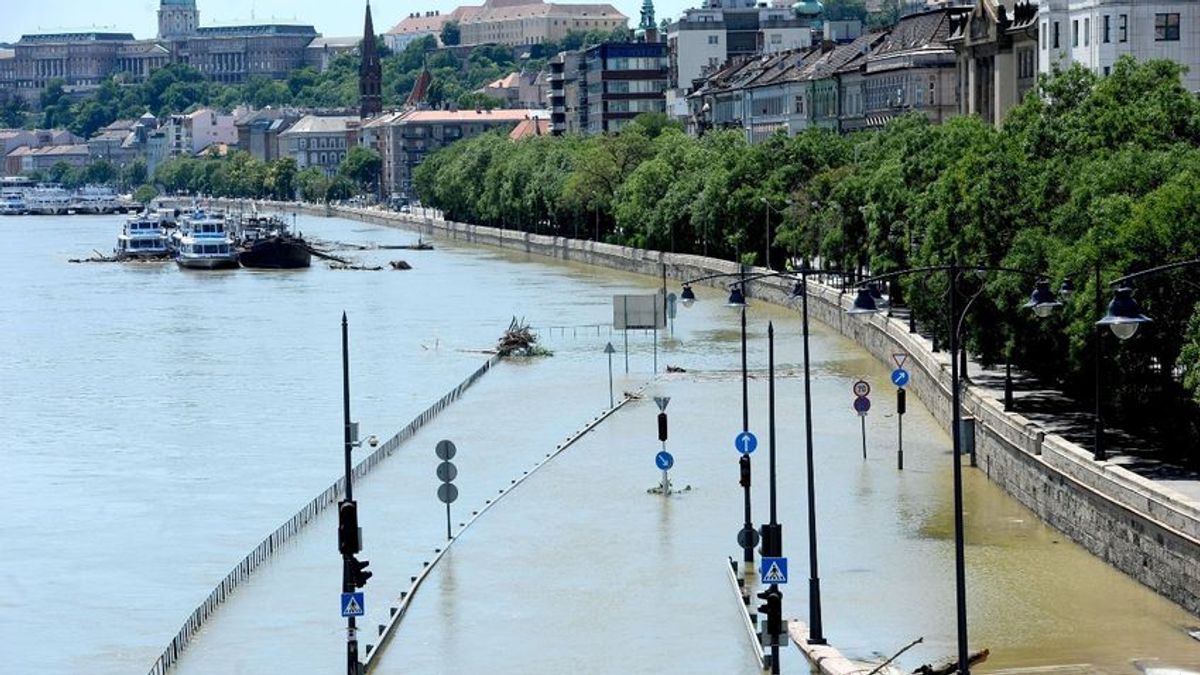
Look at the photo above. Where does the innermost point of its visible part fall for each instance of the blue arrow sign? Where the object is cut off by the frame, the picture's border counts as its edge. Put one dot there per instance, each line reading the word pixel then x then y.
pixel 352 604
pixel 773 570
pixel 745 442
pixel 664 460
pixel 899 377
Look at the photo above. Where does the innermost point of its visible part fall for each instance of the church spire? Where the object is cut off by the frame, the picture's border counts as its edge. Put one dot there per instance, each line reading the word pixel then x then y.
pixel 370 73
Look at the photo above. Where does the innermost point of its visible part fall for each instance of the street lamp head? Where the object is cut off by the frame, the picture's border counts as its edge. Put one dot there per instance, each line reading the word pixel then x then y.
pixel 687 296
pixel 1067 290
pixel 1042 300
pixel 1124 315
pixel 864 304
pixel 736 297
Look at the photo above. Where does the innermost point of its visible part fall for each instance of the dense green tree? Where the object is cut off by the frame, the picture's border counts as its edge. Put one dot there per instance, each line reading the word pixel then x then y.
pixel 451 34
pixel 362 167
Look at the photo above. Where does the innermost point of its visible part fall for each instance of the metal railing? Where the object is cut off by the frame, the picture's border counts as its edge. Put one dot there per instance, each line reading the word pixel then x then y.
pixel 284 532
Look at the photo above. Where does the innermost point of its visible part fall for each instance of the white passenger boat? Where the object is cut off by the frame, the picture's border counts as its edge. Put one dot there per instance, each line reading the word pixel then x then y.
pixel 95 199
pixel 48 200
pixel 12 202
pixel 203 243
pixel 143 237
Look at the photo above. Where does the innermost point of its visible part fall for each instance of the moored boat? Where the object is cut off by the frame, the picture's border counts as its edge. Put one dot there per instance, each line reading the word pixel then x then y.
pixel 142 237
pixel 266 243
pixel 204 244
pixel 12 202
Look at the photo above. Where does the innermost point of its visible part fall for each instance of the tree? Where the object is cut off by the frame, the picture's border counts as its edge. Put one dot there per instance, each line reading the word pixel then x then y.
pixel 134 173
pixel 12 110
pixel 451 33
pixel 281 179
pixel 145 194
pixel 362 167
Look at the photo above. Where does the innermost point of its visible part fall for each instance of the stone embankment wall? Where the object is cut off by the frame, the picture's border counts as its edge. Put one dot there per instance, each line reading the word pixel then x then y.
pixel 1142 528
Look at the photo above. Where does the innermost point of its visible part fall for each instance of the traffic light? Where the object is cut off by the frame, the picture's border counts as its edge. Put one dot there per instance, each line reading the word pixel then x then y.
pixel 772 608
pixel 772 541
pixel 900 396
pixel 662 426
pixel 744 466
pixel 356 573
pixel 349 541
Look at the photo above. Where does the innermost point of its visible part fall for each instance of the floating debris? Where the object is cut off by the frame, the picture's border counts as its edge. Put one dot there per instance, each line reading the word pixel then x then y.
pixel 400 265
pixel 676 369
pixel 519 340
pixel 363 268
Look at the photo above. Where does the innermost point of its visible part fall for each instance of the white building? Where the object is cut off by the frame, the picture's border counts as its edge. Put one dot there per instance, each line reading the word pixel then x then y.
pixel 704 39
pixel 1095 33
pixel 320 141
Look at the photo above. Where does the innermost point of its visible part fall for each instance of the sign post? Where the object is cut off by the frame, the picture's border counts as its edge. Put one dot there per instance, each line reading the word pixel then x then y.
pixel 900 378
pixel 639 312
pixel 608 349
pixel 862 404
pixel 663 460
pixel 446 472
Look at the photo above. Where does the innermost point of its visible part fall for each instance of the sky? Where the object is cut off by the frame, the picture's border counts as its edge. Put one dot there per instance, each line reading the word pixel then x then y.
pixel 332 19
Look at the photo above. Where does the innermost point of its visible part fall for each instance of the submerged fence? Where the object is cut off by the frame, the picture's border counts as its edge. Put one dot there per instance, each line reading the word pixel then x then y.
pixel 276 539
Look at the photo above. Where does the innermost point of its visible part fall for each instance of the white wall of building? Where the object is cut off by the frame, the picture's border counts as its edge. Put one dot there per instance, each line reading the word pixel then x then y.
pixel 1142 30
pixel 699 52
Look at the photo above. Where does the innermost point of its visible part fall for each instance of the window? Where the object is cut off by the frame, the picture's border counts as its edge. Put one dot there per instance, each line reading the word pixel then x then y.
pixel 1123 28
pixel 1075 33
pixel 1106 70
pixel 1166 27
pixel 713 39
pixel 1055 43
pixel 1105 38
pixel 1087 29
pixel 1043 35
pixel 776 39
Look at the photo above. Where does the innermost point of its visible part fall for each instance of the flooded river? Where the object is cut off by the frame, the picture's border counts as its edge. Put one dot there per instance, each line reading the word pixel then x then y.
pixel 159 423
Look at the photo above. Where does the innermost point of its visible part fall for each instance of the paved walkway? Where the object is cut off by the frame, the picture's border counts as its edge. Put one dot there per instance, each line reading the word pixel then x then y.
pixel 1059 414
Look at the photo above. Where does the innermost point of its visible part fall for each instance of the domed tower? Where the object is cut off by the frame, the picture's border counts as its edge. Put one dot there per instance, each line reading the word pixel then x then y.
pixel 177 19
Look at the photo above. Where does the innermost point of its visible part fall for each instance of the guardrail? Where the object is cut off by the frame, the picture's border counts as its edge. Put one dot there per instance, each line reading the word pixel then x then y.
pixel 284 532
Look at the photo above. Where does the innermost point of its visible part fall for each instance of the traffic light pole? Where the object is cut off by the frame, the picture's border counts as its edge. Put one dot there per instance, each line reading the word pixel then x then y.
pixel 347 582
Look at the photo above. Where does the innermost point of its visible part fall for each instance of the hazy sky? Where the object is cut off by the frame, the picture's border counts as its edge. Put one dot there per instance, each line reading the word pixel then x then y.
pixel 332 19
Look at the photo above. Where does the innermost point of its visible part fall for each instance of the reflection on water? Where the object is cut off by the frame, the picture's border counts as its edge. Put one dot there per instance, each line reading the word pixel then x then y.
pixel 161 423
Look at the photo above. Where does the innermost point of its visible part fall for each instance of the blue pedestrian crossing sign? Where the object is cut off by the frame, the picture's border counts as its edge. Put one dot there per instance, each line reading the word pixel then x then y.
pixel 745 442
pixel 899 377
pixel 664 460
pixel 773 570
pixel 352 604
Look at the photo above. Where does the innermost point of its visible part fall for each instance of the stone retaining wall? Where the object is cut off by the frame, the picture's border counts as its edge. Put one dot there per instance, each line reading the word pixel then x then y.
pixel 1147 531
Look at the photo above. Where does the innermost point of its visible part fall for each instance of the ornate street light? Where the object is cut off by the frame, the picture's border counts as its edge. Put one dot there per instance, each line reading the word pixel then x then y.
pixel 1124 315
pixel 1042 301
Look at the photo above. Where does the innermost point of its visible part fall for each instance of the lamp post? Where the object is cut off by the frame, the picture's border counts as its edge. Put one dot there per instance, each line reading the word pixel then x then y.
pixel 816 630
pixel 1042 305
pixel 1123 318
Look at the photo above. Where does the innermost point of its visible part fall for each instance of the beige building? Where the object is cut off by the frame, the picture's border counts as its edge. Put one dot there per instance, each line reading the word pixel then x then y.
pixel 411 136
pixel 997 57
pixel 510 22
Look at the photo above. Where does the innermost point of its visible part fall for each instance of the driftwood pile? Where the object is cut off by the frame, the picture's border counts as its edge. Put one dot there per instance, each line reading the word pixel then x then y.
pixel 519 340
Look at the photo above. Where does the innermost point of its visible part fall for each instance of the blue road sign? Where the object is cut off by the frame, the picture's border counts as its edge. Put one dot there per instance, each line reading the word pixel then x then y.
pixel 664 460
pixel 773 570
pixel 352 604
pixel 899 377
pixel 745 442
pixel 862 404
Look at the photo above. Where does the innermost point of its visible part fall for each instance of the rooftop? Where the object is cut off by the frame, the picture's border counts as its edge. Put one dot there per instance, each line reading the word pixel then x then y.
pixel 254 31
pixel 313 124
pixel 50 38
pixel 503 115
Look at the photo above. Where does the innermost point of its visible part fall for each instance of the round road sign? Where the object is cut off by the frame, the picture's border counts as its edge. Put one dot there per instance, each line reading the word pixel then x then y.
pixel 446 472
pixel 445 450
pixel 862 404
pixel 664 460
pixel 747 537
pixel 447 493
pixel 899 377
pixel 861 388
pixel 745 442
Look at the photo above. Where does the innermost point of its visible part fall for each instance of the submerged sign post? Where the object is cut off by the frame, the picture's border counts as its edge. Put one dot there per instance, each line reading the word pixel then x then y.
pixel 900 378
pixel 639 312
pixel 862 405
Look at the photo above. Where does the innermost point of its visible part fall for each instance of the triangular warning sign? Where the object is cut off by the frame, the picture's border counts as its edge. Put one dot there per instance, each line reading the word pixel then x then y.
pixel 352 606
pixel 774 575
